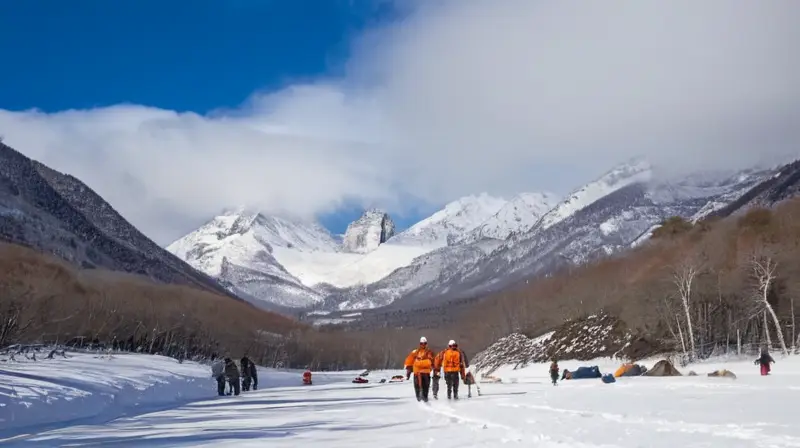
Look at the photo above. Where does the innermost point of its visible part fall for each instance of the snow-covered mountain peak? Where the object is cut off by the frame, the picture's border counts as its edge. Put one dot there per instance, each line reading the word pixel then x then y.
pixel 519 214
pixel 365 234
pixel 245 231
pixel 451 222
pixel 632 172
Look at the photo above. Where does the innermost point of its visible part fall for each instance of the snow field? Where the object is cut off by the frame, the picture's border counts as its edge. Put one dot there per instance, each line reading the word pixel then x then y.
pixel 524 410
pixel 94 388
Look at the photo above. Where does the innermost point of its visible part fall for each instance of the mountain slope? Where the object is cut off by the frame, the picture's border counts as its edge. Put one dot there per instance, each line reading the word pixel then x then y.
pixel 295 263
pixel 517 215
pixel 56 213
pixel 449 224
pixel 241 249
pixel 612 223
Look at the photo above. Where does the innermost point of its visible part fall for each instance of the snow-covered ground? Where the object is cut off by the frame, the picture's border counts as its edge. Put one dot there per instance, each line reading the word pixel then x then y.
pixel 524 410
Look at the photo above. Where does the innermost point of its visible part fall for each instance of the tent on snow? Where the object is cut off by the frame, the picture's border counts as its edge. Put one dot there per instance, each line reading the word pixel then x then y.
pixel 630 370
pixel 582 373
pixel 663 368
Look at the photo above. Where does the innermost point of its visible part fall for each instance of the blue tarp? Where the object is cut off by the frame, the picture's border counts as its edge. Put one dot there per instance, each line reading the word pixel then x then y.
pixel 608 378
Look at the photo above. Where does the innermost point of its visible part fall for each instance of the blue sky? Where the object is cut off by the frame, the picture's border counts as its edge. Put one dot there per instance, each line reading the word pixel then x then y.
pixel 197 55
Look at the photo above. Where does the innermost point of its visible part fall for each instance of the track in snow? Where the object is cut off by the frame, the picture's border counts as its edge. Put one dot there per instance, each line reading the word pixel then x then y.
pixel 752 411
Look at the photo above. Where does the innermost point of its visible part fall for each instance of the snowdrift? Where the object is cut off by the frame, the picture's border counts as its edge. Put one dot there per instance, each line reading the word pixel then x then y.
pixel 85 387
pixel 88 388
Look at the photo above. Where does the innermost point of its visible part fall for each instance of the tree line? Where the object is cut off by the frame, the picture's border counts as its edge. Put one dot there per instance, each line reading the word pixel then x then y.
pixel 709 287
pixel 716 285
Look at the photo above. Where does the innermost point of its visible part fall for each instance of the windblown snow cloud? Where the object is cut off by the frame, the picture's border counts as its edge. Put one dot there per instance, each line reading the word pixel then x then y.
pixel 457 98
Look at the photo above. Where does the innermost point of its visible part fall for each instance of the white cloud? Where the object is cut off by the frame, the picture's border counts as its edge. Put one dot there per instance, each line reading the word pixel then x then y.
pixel 459 97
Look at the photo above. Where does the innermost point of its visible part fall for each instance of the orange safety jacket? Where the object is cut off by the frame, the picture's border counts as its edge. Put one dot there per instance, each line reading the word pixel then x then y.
pixel 437 362
pixel 452 361
pixel 420 360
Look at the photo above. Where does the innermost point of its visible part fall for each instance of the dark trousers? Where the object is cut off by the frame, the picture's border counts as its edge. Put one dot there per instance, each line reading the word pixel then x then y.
pixel 436 379
pixel 234 383
pixel 255 383
pixel 422 383
pixel 221 385
pixel 452 379
pixel 246 383
pixel 554 376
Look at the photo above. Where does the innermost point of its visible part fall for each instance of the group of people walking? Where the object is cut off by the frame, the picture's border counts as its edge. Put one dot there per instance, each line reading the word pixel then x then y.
pixel 427 369
pixel 226 371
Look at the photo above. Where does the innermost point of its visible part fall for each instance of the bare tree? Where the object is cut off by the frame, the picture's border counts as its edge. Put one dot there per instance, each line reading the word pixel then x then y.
pixel 683 277
pixel 794 333
pixel 764 274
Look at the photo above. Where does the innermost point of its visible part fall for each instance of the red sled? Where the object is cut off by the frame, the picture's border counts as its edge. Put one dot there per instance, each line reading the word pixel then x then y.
pixel 360 380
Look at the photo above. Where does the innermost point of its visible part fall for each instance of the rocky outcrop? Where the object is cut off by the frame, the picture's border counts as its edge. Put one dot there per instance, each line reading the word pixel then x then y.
pixel 595 336
pixel 368 232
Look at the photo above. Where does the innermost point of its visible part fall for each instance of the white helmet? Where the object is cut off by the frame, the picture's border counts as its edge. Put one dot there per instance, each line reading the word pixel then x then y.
pixel 452 342
pixel 423 340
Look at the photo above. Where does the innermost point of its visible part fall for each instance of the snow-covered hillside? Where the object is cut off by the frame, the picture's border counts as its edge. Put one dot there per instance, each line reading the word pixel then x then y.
pixel 295 263
pixel 522 410
pixel 606 216
pixel 616 179
pixel 452 222
pixel 474 245
pixel 517 215
pixel 94 388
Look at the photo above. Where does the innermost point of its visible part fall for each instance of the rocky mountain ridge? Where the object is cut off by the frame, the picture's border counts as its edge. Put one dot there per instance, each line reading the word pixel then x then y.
pixel 365 234
pixel 611 214
pixel 58 214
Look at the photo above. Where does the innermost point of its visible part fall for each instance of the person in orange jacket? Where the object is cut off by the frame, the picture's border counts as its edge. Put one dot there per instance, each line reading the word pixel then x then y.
pixel 437 373
pixel 454 363
pixel 420 362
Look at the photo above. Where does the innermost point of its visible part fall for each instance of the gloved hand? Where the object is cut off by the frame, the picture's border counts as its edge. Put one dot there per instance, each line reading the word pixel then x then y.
pixel 408 375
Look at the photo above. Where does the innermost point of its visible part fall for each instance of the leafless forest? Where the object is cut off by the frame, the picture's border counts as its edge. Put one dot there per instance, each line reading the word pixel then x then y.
pixel 695 289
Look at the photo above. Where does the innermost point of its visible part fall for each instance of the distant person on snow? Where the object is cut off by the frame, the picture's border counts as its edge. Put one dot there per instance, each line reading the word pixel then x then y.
pixel 254 375
pixel 420 363
pixel 765 360
pixel 249 374
pixel 218 373
pixel 554 372
pixel 232 374
pixel 454 365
